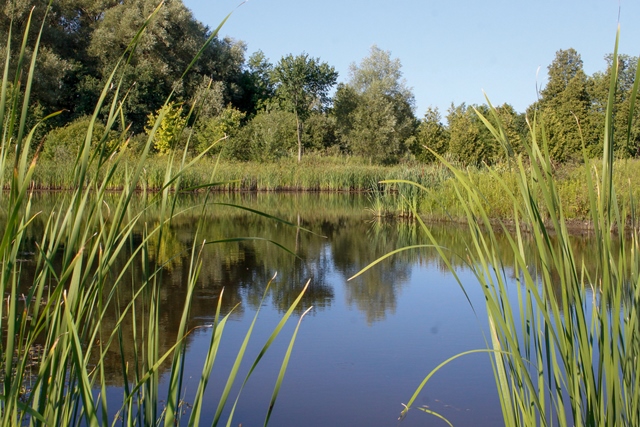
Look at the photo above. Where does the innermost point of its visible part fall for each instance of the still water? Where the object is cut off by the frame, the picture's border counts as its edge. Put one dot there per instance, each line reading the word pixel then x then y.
pixel 365 345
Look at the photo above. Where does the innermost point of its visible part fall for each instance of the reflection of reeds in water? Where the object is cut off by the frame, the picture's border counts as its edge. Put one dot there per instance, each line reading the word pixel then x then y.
pixel 400 201
pixel 93 250
pixel 565 347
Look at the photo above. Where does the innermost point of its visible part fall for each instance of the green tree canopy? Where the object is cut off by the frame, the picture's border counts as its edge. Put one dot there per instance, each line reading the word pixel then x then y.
pixel 171 41
pixel 465 143
pixel 626 144
pixel 258 87
pixel 83 39
pixel 432 134
pixel 303 83
pixel 565 103
pixel 374 110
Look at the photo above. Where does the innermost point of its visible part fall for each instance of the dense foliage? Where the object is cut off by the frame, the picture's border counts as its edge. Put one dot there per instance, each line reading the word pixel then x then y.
pixel 252 109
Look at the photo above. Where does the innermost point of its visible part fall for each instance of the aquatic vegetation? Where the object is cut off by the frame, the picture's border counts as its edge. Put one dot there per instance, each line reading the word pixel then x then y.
pixel 565 358
pixel 55 339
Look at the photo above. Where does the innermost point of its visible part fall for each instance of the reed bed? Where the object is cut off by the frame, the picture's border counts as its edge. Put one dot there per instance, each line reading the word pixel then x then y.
pixel 347 174
pixel 563 337
pixel 55 341
pixel 314 173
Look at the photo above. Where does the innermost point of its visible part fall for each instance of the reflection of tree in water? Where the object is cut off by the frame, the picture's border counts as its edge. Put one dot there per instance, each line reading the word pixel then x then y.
pixel 244 268
pixel 248 266
pixel 359 244
pixel 375 293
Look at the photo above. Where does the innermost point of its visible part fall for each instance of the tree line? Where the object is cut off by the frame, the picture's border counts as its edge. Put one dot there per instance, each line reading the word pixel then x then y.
pixel 262 111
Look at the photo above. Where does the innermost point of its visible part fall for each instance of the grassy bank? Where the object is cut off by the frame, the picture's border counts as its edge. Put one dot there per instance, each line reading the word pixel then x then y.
pixel 314 173
pixel 349 174
pixel 571 183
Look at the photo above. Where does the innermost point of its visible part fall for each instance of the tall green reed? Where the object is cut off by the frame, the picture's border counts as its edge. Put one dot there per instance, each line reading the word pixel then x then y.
pixel 567 359
pixel 57 317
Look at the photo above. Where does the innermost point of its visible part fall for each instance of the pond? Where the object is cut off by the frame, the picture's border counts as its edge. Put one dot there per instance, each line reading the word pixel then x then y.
pixel 366 344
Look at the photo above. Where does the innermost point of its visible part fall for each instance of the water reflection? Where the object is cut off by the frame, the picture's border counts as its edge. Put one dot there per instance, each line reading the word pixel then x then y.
pixel 342 239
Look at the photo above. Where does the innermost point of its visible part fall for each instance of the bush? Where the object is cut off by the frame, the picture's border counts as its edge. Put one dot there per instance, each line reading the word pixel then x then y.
pixel 213 129
pixel 269 136
pixel 62 144
pixel 170 129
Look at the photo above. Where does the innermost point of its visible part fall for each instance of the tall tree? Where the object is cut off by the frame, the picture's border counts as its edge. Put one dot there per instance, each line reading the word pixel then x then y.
pixel 257 86
pixel 63 58
pixel 564 106
pixel 83 39
pixel 303 83
pixel 466 143
pixel 171 40
pixel 627 144
pixel 374 111
pixel 432 134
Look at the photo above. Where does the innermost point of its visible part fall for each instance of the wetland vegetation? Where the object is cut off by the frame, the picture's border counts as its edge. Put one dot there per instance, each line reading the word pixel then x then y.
pixel 103 285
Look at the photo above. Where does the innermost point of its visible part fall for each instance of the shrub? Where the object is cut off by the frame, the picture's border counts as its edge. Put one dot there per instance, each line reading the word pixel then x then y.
pixel 269 136
pixel 213 129
pixel 62 144
pixel 170 129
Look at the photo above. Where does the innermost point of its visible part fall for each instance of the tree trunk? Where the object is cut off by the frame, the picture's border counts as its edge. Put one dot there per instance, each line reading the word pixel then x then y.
pixel 299 132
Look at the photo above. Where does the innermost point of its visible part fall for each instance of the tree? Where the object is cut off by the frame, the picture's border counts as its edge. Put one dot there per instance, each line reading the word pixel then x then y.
pixel 506 120
pixel 379 73
pixel 168 45
pixel 374 111
pixel 625 144
pixel 564 106
pixel 377 134
pixel 515 127
pixel 303 83
pixel 62 57
pixel 470 141
pixel 257 86
pixel 83 39
pixel 431 134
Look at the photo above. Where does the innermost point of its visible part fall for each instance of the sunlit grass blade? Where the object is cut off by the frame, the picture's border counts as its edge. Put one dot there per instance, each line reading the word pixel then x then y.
pixel 236 364
pixel 272 337
pixel 387 255
pixel 426 379
pixel 283 368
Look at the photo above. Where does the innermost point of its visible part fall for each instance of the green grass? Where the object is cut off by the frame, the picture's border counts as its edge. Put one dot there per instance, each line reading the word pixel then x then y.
pixel 442 202
pixel 349 174
pixel 352 174
pixel 313 173
pixel 56 337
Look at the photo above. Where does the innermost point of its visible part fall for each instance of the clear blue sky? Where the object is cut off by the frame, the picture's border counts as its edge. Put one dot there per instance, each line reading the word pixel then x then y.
pixel 451 51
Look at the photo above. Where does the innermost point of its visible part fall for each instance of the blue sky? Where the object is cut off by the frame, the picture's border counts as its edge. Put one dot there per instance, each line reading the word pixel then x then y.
pixel 451 51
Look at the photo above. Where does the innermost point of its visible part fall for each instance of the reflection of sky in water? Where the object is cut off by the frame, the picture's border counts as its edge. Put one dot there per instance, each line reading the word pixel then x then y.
pixel 366 346
pixel 346 370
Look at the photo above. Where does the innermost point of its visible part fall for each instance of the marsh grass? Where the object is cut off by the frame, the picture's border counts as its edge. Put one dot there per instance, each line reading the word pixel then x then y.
pixel 313 173
pixel 55 336
pixel 567 357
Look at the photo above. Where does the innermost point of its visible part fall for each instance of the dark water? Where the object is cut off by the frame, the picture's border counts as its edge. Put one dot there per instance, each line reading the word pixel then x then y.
pixel 366 344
